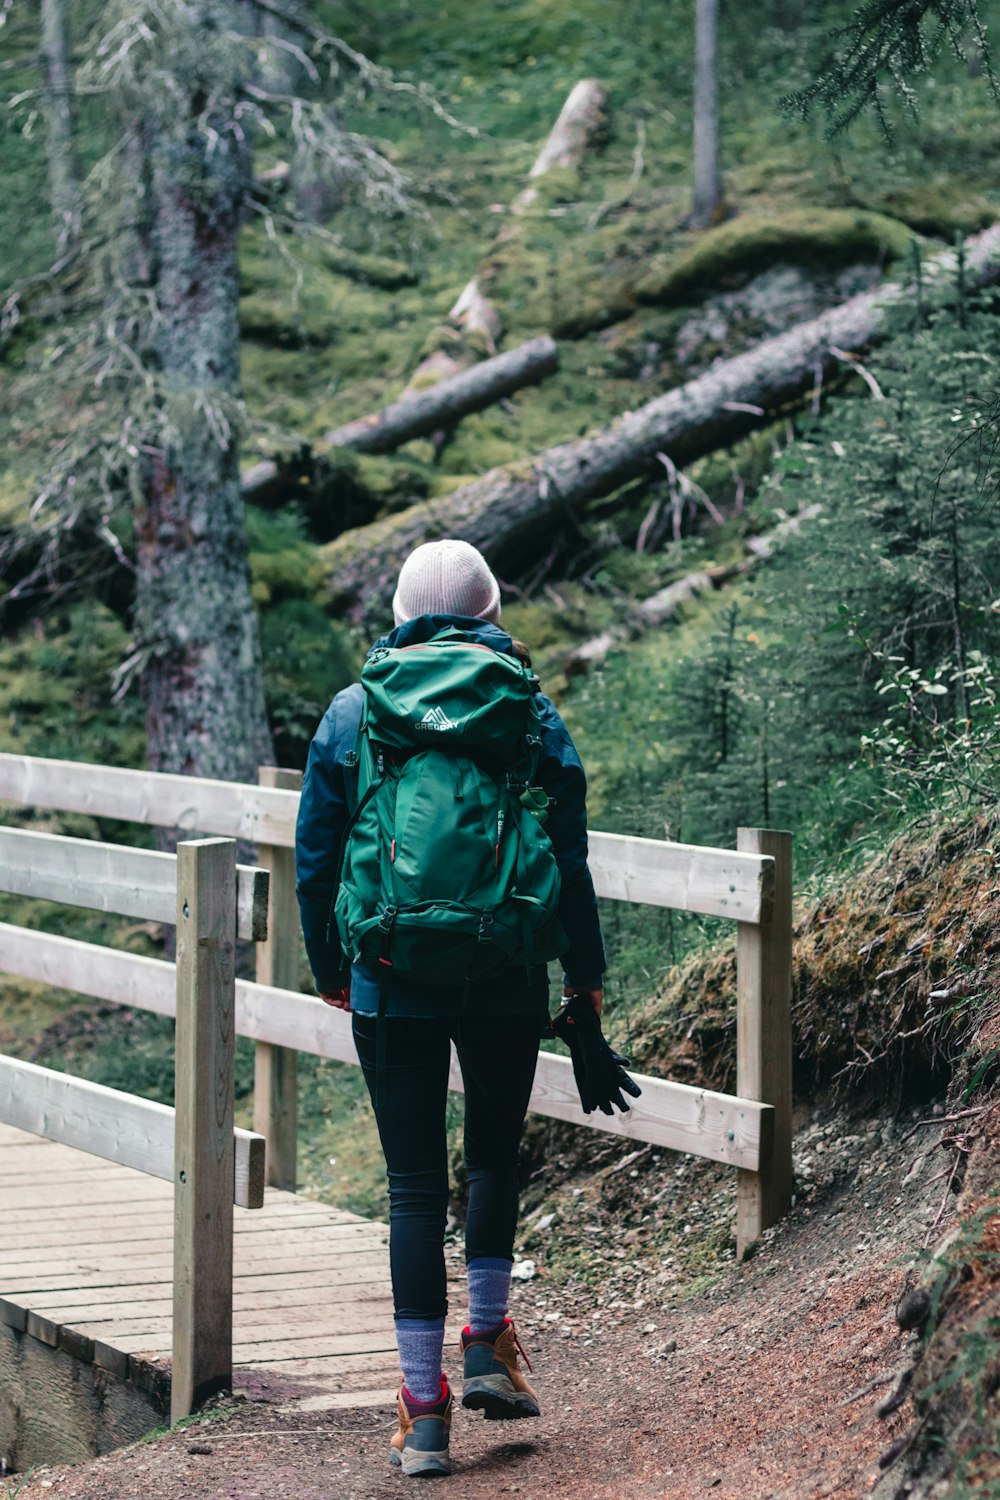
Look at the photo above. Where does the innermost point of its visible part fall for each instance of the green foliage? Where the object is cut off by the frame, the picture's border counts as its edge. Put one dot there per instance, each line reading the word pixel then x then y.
pixel 307 658
pixel 890 43
pixel 754 711
pixel 56 689
pixel 940 740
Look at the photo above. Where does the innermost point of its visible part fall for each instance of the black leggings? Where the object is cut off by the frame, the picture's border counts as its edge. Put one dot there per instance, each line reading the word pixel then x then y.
pixel 497 1056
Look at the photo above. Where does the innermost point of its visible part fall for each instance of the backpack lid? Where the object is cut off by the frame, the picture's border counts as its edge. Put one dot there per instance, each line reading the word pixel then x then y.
pixel 450 692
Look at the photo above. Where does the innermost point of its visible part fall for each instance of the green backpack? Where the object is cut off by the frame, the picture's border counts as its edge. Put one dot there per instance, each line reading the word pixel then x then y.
pixel 448 876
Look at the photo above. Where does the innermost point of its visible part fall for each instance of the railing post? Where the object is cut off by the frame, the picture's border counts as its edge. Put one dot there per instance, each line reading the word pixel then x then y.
pixel 764 1037
pixel 275 1106
pixel 203 1143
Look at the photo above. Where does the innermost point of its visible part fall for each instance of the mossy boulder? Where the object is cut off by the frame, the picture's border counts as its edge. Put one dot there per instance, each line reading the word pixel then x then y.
pixel 734 251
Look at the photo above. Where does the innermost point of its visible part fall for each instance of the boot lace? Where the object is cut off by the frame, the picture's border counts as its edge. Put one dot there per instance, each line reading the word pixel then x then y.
pixel 519 1346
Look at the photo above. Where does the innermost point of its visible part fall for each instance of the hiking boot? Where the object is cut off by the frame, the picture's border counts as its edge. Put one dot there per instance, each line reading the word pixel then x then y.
pixel 493 1381
pixel 420 1447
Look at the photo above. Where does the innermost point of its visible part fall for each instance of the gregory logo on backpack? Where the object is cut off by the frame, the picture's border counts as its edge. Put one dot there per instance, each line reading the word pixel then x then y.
pixel 447 876
pixel 436 718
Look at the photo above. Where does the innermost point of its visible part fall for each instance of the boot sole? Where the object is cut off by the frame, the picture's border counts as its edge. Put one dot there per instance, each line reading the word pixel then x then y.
pixel 498 1399
pixel 417 1465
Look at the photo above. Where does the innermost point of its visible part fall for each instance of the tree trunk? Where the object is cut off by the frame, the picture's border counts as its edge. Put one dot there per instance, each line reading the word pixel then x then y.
pixel 195 620
pixel 707 184
pixel 445 403
pixel 64 187
pixel 503 512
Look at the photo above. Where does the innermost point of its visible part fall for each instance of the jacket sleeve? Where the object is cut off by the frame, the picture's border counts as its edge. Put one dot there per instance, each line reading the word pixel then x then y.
pixel 562 777
pixel 323 814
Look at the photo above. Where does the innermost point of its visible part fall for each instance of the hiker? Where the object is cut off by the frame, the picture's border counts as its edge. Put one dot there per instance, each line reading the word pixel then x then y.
pixel 447 604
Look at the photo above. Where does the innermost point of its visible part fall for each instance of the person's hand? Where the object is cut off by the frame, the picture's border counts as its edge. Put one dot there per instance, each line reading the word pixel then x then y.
pixel 340 999
pixel 595 997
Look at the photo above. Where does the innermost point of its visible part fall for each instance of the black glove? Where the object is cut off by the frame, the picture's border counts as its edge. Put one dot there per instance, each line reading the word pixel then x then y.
pixel 599 1070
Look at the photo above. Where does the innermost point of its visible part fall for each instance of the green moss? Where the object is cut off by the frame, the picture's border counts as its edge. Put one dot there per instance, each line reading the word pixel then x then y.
pixel 940 207
pixel 557 185
pixel 285 324
pixel 737 249
pixel 307 658
pixel 56 685
pixel 379 270
pixel 393 480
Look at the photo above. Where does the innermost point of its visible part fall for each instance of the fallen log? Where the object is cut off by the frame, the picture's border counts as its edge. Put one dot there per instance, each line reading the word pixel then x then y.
pixel 663 606
pixel 474 325
pixel 581 121
pixel 446 402
pixel 503 512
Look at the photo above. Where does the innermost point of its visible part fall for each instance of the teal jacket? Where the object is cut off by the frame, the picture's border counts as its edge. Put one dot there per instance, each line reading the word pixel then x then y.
pixel 327 800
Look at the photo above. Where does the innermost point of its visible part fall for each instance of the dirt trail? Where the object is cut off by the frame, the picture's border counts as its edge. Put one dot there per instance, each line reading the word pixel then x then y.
pixel 763 1389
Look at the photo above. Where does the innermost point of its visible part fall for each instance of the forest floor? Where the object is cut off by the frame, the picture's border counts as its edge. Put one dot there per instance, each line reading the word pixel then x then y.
pixel 763 1387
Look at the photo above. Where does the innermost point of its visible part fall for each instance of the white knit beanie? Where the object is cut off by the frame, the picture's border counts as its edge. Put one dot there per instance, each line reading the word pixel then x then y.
pixel 446 578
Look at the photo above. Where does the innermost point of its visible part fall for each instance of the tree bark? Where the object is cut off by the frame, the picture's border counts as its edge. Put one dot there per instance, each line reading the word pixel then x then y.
pixel 445 403
pixel 195 620
pixel 707 183
pixel 64 186
pixel 503 512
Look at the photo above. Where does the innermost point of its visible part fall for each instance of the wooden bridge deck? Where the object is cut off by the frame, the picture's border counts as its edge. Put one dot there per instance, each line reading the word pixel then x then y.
pixel 86 1264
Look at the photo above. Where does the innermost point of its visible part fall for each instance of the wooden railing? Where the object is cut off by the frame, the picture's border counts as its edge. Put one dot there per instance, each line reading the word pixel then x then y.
pixel 750 1130
pixel 194 1145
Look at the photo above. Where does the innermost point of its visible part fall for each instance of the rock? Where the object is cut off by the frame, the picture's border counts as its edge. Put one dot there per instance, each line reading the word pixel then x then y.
pixel 913 1308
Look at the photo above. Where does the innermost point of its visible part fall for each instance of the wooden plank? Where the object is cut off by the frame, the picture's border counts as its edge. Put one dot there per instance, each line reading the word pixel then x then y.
pixel 61 1307
pixel 88 969
pixel 202 1360
pixel 275 1106
pixel 283 1018
pixel 675 1115
pixel 260 1325
pixel 114 1260
pixel 714 882
pixel 363 1283
pixel 119 1127
pixel 668 1114
pixel 41 1237
pixel 283 1351
pixel 30 1285
pixel 113 878
pixel 764 1039
pixel 194 804
pixel 147 1191
pixel 711 881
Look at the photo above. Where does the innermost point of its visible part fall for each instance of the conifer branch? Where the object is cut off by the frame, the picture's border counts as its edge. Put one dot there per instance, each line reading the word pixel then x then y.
pixel 881 50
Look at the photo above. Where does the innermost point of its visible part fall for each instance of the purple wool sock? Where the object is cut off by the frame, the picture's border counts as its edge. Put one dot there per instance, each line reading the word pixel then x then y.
pixel 489 1290
pixel 420 1341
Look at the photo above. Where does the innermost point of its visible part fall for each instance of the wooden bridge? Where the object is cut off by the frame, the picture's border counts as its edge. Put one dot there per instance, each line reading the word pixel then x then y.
pixel 177 1290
